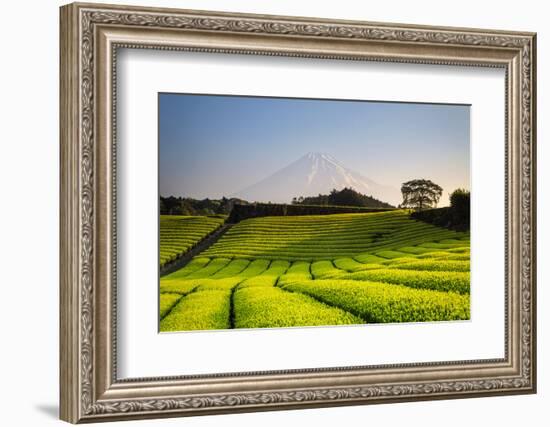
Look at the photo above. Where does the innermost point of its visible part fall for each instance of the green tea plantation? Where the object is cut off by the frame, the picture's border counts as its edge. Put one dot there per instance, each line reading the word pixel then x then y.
pixel 314 270
pixel 178 234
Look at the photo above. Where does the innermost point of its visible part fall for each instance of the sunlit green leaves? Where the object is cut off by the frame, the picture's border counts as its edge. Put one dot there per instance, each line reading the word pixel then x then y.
pixel 178 234
pixel 321 270
pixel 269 307
pixel 382 302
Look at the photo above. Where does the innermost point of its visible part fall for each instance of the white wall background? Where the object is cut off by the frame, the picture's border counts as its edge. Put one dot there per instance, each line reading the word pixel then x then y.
pixel 29 171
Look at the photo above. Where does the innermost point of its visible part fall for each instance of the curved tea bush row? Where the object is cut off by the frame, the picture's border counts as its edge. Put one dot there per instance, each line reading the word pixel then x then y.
pixel 199 311
pixel 195 264
pixel 351 265
pixel 181 287
pixel 310 238
pixel 383 303
pixel 465 256
pixel 324 268
pixel 167 301
pixel 178 234
pixel 368 258
pixel 439 245
pixel 446 281
pixel 299 270
pixel 269 277
pixel 440 265
pixel 276 268
pixel 415 250
pixel 233 268
pixel 225 284
pixel 269 307
pixel 259 281
pixel 210 269
pixel 330 270
pixel 396 261
pixel 391 254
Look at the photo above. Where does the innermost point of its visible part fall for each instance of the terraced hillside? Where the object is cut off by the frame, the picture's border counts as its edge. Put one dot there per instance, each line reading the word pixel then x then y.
pixel 321 270
pixel 178 234
pixel 316 237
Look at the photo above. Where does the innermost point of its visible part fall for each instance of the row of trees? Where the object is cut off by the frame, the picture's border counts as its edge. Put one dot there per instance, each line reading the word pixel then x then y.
pixel 422 195
pixel 345 197
pixel 188 206
pixel 418 194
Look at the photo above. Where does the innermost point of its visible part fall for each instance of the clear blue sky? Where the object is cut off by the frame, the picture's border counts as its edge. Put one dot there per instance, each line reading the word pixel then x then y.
pixel 211 146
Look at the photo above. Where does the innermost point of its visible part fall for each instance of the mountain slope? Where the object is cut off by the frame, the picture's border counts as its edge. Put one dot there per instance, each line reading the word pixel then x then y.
pixel 313 174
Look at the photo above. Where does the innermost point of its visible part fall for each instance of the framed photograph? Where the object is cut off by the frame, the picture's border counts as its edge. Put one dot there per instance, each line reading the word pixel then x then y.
pixel 267 212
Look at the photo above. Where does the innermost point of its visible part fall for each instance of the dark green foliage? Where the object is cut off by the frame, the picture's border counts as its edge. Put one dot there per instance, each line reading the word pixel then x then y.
pixel 256 210
pixel 460 209
pixel 440 216
pixel 420 194
pixel 188 206
pixel 456 216
pixel 345 197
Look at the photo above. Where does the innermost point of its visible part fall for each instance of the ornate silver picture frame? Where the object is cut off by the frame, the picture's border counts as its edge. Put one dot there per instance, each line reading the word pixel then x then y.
pixel 91 35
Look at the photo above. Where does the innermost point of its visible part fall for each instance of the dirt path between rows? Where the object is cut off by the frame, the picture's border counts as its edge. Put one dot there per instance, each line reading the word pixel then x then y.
pixel 203 245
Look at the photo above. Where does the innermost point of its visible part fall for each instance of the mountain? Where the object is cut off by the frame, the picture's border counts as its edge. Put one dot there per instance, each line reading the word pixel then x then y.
pixel 313 174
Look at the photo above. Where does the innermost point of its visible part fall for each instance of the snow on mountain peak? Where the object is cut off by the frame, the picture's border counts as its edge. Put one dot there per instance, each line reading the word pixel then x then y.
pixel 312 174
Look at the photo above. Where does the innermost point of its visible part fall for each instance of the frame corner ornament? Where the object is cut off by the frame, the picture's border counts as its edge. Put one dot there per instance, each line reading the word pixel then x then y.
pixel 425 44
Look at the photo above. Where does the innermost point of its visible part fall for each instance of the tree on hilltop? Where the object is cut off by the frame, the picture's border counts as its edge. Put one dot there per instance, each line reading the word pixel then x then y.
pixel 420 194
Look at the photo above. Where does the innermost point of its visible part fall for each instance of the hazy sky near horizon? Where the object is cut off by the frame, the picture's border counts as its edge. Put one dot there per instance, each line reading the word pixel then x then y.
pixel 214 146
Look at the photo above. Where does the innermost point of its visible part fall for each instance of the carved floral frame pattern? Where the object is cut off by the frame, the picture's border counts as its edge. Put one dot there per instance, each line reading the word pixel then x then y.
pixel 78 399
